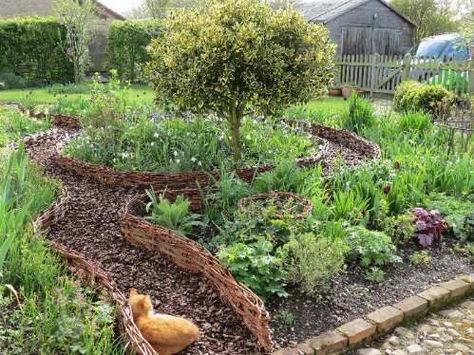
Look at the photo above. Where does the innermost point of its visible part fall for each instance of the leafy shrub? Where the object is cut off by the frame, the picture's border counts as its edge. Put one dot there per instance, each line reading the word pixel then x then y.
pixel 371 248
pixel 429 225
pixel 314 260
pixel 421 258
pixel 375 274
pixel 285 318
pixel 359 115
pixel 401 228
pixel 29 49
pixel 454 209
pixel 172 215
pixel 127 42
pixel 286 176
pixel 11 81
pixel 412 96
pixel 236 56
pixel 222 201
pixel 256 265
pixel 467 231
pixel 415 122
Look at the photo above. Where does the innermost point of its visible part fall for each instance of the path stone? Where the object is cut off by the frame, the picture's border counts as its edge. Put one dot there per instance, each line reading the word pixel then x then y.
pixel 446 332
pixel 369 351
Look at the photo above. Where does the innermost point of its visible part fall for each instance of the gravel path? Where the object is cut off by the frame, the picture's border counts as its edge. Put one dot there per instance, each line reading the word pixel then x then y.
pixel 450 331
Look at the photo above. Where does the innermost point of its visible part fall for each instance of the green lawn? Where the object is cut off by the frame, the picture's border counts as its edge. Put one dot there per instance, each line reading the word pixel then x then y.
pixel 50 95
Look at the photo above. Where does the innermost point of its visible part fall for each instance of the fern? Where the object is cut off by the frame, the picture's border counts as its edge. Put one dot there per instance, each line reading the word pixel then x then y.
pixel 172 215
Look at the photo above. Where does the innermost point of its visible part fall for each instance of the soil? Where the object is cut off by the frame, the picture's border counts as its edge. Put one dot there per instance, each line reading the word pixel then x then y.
pixel 349 296
pixel 90 226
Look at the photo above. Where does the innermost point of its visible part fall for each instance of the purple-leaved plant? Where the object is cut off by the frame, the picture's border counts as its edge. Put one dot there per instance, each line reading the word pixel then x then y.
pixel 429 226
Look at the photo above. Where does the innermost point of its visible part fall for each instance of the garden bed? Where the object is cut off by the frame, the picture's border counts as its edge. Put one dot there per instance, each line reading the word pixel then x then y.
pixel 354 148
pixel 90 227
pixel 350 296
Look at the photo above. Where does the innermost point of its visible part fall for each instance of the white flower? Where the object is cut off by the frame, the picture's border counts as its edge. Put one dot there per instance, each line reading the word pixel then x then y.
pixel 199 163
pixel 156 135
pixel 152 144
pixel 175 153
pixel 177 161
pixel 193 159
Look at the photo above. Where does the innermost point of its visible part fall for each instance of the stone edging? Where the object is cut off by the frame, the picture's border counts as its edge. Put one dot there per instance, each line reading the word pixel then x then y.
pixel 384 319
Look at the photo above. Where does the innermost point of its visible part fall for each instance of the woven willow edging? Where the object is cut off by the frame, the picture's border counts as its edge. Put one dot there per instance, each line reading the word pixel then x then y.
pixel 189 183
pixel 192 257
pixel 94 275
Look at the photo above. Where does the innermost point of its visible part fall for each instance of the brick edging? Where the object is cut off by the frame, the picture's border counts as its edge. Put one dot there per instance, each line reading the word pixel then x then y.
pixel 384 319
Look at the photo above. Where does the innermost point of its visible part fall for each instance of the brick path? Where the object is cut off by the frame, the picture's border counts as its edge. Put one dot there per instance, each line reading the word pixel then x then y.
pixel 449 331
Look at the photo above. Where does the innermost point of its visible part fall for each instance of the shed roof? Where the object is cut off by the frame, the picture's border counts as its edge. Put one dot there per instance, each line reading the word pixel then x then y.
pixel 327 10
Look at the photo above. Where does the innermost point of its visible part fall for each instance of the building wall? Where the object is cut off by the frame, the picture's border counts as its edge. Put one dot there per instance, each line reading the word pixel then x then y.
pixel 372 23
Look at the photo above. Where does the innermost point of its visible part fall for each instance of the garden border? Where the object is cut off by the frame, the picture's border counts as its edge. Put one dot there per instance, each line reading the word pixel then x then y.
pixel 384 319
pixel 92 275
pixel 193 257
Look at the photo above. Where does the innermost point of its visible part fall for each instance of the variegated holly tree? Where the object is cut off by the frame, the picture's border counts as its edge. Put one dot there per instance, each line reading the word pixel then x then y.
pixel 238 56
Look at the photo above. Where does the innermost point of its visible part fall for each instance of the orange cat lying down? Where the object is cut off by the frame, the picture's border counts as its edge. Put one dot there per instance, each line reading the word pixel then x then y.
pixel 166 334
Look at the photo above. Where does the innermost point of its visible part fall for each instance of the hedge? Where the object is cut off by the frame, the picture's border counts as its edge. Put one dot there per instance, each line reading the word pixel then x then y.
pixel 29 48
pixel 127 42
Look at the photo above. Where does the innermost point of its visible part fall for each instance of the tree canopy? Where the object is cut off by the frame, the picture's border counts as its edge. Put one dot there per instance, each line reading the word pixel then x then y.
pixel 233 57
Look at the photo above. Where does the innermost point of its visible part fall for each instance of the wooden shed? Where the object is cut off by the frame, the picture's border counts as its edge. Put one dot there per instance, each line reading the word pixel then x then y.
pixel 361 26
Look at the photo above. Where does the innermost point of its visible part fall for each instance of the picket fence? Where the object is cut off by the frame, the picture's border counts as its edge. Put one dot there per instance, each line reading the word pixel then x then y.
pixel 383 73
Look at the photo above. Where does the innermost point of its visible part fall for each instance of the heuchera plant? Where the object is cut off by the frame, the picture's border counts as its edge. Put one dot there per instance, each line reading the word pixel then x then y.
pixel 429 226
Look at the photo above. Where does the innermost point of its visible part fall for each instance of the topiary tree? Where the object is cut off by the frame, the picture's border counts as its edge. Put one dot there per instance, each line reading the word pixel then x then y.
pixel 234 57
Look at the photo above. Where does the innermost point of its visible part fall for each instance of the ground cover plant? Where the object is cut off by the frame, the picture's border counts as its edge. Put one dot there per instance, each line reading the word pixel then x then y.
pixel 40 301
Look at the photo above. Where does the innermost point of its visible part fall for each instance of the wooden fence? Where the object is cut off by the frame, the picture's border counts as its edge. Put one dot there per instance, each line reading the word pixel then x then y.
pixel 382 73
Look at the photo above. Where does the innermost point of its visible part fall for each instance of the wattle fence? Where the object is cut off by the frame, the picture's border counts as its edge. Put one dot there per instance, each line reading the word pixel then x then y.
pixel 382 73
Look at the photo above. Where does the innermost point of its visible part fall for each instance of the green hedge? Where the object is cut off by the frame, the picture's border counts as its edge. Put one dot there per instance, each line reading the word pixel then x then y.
pixel 29 49
pixel 127 42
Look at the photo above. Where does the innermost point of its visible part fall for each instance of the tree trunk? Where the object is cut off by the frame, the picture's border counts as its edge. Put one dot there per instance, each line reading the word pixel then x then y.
pixel 235 120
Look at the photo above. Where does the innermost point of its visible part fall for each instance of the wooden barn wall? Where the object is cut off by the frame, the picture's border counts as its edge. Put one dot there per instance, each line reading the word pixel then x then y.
pixel 388 25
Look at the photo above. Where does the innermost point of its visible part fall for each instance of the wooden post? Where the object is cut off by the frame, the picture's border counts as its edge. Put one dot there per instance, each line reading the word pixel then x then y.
pixel 374 59
pixel 406 67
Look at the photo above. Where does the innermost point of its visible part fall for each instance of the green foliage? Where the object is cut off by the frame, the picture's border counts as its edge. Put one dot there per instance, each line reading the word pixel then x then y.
pixel 432 17
pixel 256 265
pixel 221 202
pixel 314 260
pixel 172 215
pixel 236 56
pixel 415 122
pixel 455 211
pixel 467 231
pixel 401 228
pixel 127 42
pixel 350 206
pixel 286 176
pixel 375 275
pixel 360 114
pixel 56 314
pixel 14 126
pixel 10 80
pixel 421 258
pixel 29 49
pixel 371 248
pixel 285 318
pixel 411 96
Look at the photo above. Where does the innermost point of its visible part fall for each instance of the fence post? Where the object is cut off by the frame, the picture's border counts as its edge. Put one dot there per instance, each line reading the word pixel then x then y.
pixel 374 59
pixel 406 66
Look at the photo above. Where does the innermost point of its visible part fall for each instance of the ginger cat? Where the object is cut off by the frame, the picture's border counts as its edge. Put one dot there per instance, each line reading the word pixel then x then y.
pixel 166 334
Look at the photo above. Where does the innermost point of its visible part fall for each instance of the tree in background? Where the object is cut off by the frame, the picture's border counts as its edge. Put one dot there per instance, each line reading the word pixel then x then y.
pixel 236 57
pixel 161 8
pixel 431 16
pixel 76 16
